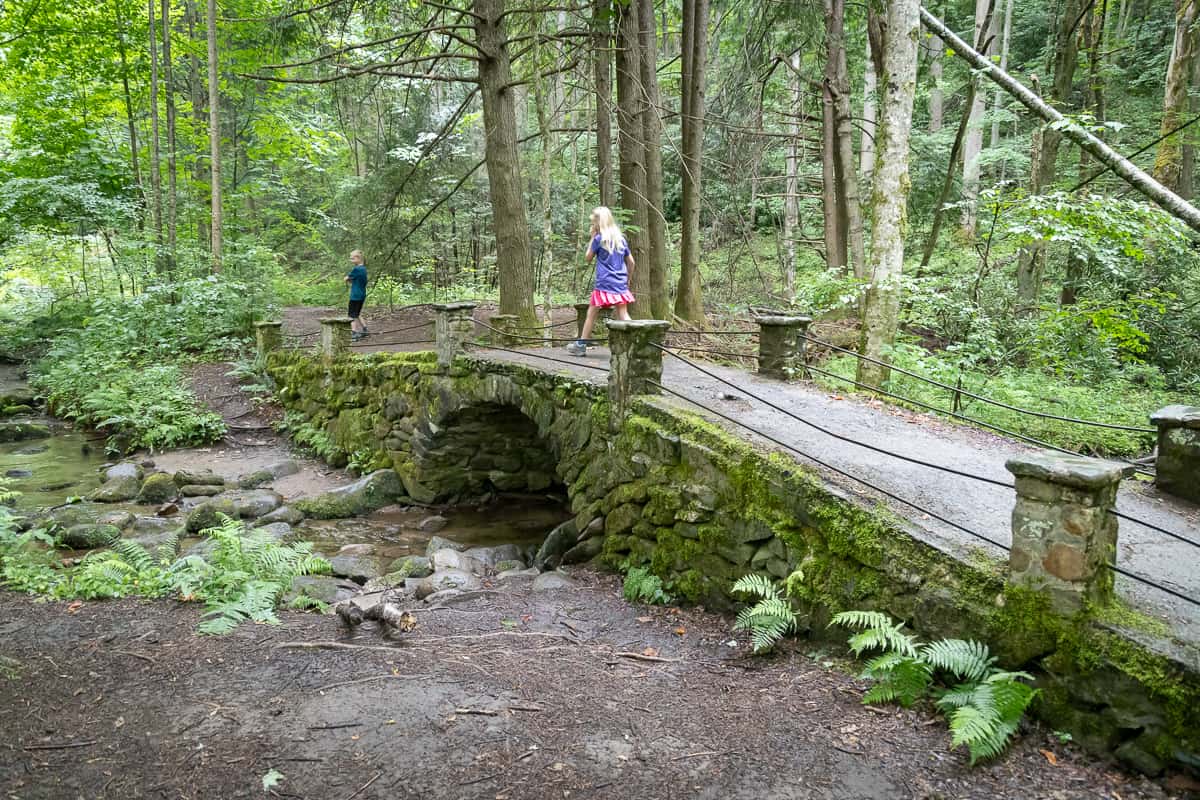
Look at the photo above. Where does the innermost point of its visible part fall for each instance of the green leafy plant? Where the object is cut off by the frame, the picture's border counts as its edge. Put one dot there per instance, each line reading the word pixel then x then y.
pixel 770 618
pixel 642 586
pixel 983 704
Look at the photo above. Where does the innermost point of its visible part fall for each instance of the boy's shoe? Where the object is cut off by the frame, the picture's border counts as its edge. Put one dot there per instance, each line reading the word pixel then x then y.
pixel 356 336
pixel 577 348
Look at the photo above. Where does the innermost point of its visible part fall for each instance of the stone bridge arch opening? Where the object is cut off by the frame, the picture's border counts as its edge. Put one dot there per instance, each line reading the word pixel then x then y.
pixel 483 449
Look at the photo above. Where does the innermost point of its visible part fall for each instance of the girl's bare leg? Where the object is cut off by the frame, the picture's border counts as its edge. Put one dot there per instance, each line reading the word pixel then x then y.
pixel 622 312
pixel 590 322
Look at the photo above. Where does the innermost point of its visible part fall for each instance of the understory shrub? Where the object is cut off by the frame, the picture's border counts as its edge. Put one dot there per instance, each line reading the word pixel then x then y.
pixel 642 586
pixel 770 618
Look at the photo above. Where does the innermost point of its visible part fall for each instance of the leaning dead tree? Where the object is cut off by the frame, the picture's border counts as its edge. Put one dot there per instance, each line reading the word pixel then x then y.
pixel 1170 202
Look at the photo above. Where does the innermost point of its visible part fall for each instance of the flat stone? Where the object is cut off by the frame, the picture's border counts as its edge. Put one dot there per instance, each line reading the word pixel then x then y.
pixel 365 495
pixel 452 559
pixel 1177 416
pixel 1065 562
pixel 152 525
pixel 201 490
pixel 441 543
pixel 286 514
pixel 410 567
pixel 461 305
pixel 83 537
pixel 187 477
pixel 324 588
pixel 279 531
pixel 118 519
pixel 446 579
pixel 433 524
pixel 208 514
pixel 549 581
pixel 357 564
pixel 1073 471
pixel 518 574
pixel 784 321
pixel 638 325
pixel 158 488
pixel 254 503
pixel 491 556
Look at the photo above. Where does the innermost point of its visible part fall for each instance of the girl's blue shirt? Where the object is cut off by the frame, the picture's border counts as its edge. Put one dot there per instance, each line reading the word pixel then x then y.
pixel 611 275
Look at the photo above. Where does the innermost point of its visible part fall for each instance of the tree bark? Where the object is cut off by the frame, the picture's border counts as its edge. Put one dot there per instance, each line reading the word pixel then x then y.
pixel 898 76
pixel 546 125
pixel 936 93
pixel 513 260
pixel 1168 161
pixel 602 64
pixel 973 145
pixel 169 97
pixel 155 163
pixel 689 303
pixel 214 135
pixel 832 199
pixel 866 150
pixel 200 171
pixel 130 122
pixel 656 223
pixel 633 152
pixel 849 207
pixel 1127 170
pixel 997 102
pixel 791 200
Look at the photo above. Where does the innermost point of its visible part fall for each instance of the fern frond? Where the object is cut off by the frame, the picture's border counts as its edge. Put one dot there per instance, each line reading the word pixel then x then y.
pixel 899 678
pixel 857 620
pixel 971 726
pixel 134 554
pixel 888 638
pixel 757 585
pixel 968 660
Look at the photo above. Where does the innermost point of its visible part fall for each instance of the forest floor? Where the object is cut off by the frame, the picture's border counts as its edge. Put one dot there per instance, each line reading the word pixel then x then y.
pixel 571 693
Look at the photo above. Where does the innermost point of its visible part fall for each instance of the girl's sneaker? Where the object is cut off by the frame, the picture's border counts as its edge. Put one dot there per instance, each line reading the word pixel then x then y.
pixel 577 348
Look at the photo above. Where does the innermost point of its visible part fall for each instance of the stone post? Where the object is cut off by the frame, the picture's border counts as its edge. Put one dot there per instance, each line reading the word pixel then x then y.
pixel 635 362
pixel 1062 533
pixel 581 310
pixel 268 336
pixel 505 325
pixel 453 325
pixel 780 348
pixel 1177 467
pixel 335 336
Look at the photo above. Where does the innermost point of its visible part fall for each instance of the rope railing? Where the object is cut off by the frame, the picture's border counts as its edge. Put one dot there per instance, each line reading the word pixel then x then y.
pixel 1153 527
pixel 536 354
pixel 543 339
pixel 361 343
pixel 972 395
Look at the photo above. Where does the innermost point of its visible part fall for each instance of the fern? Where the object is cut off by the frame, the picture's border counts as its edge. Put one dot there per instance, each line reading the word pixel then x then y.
pixel 768 620
pixel 642 586
pixel 985 705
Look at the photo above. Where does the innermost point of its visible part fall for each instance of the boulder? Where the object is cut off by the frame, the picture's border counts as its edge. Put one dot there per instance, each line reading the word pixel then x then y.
pixel 202 549
pixel 282 514
pixel 118 519
pixel 557 542
pixel 433 524
pixel 510 565
pixel 279 531
pixel 75 514
pixel 122 482
pixel 163 544
pixel 324 588
pixel 453 559
pixel 366 494
pixel 208 514
pixel 593 529
pixel 254 480
pixel 158 488
pixel 442 596
pixel 446 579
pixel 584 551
pixel 149 525
pixel 281 469
pixel 518 575
pixel 410 567
pixel 254 503
pixel 22 431
pixel 442 543
pixel 187 477
pixel 87 536
pixel 490 556
pixel 201 489
pixel 549 581
pixel 359 563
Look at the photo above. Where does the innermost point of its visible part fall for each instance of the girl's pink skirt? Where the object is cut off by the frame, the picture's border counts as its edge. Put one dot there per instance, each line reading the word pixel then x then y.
pixel 609 299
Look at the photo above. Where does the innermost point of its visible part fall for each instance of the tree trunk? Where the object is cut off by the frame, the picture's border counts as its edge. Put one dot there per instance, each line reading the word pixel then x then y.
pixel 936 94
pixel 1168 162
pixel 832 206
pixel 633 151
pixel 546 125
pixel 602 55
pixel 513 261
pixel 847 177
pixel 973 145
pixel 898 77
pixel 791 200
pixel 200 171
pixel 866 150
pixel 169 96
pixel 998 101
pixel 689 303
pixel 656 223
pixel 214 135
pixel 155 165
pixel 130 122
pixel 1187 181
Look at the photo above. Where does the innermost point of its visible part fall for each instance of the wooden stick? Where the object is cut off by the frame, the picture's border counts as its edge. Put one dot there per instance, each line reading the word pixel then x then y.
pixel 60 746
pixel 643 657
pixel 363 788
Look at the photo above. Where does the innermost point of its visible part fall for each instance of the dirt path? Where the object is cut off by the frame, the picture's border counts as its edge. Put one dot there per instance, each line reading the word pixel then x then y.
pixel 508 695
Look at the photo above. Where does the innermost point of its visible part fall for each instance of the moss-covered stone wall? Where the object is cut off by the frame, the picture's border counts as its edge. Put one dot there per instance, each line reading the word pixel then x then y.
pixel 701 507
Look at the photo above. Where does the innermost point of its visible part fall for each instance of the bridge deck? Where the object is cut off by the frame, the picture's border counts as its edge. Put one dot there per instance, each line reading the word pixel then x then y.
pixel 982 507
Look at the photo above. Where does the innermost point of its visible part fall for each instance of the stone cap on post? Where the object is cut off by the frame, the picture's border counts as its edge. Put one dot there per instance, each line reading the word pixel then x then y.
pixel 335 336
pixel 1177 464
pixel 781 350
pixel 268 336
pixel 457 305
pixel 454 323
pixel 1063 536
pixel 636 362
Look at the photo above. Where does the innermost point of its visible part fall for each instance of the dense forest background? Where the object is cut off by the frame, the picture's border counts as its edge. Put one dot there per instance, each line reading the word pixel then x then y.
pixel 169 171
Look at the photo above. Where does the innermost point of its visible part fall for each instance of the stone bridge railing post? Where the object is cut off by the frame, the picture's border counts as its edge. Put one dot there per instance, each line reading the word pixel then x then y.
pixel 581 310
pixel 636 363
pixel 1063 535
pixel 505 325
pixel 335 336
pixel 1177 466
pixel 453 325
pixel 780 346
pixel 268 337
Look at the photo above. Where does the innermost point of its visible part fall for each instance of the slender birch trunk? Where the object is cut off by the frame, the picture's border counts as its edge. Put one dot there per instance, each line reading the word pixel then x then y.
pixel 214 136
pixel 1168 161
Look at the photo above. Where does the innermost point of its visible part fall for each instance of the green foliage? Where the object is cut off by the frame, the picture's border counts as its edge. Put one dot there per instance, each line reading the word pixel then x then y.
pixel 770 618
pixel 642 586
pixel 308 436
pixel 984 705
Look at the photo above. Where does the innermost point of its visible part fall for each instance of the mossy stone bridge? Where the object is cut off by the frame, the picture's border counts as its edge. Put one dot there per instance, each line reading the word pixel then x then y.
pixel 703 475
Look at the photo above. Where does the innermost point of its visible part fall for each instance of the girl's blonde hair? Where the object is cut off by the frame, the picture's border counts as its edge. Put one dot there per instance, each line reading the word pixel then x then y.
pixel 606 225
pixel 354 253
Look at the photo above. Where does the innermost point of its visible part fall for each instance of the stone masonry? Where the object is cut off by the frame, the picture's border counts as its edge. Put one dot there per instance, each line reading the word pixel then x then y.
pixel 780 348
pixel 636 364
pixel 1177 468
pixel 335 336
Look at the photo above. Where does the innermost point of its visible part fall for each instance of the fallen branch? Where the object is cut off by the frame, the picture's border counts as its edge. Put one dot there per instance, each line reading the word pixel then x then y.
pixel 66 746
pixel 643 657
pixel 369 680
pixel 363 788
pixel 331 646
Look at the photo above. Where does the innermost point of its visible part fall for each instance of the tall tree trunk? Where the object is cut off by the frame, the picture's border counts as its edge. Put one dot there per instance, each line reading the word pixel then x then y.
pixel 1187 179
pixel 546 125
pixel 155 165
pixel 791 200
pixel 1168 162
pixel 973 145
pixel 866 150
pixel 130 120
pixel 847 177
pixel 656 223
pixel 169 97
pixel 898 77
pixel 689 302
pixel 214 134
pixel 513 260
pixel 936 93
pixel 998 101
pixel 602 55
pixel 1045 150
pixel 200 166
pixel 632 151
pixel 832 199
